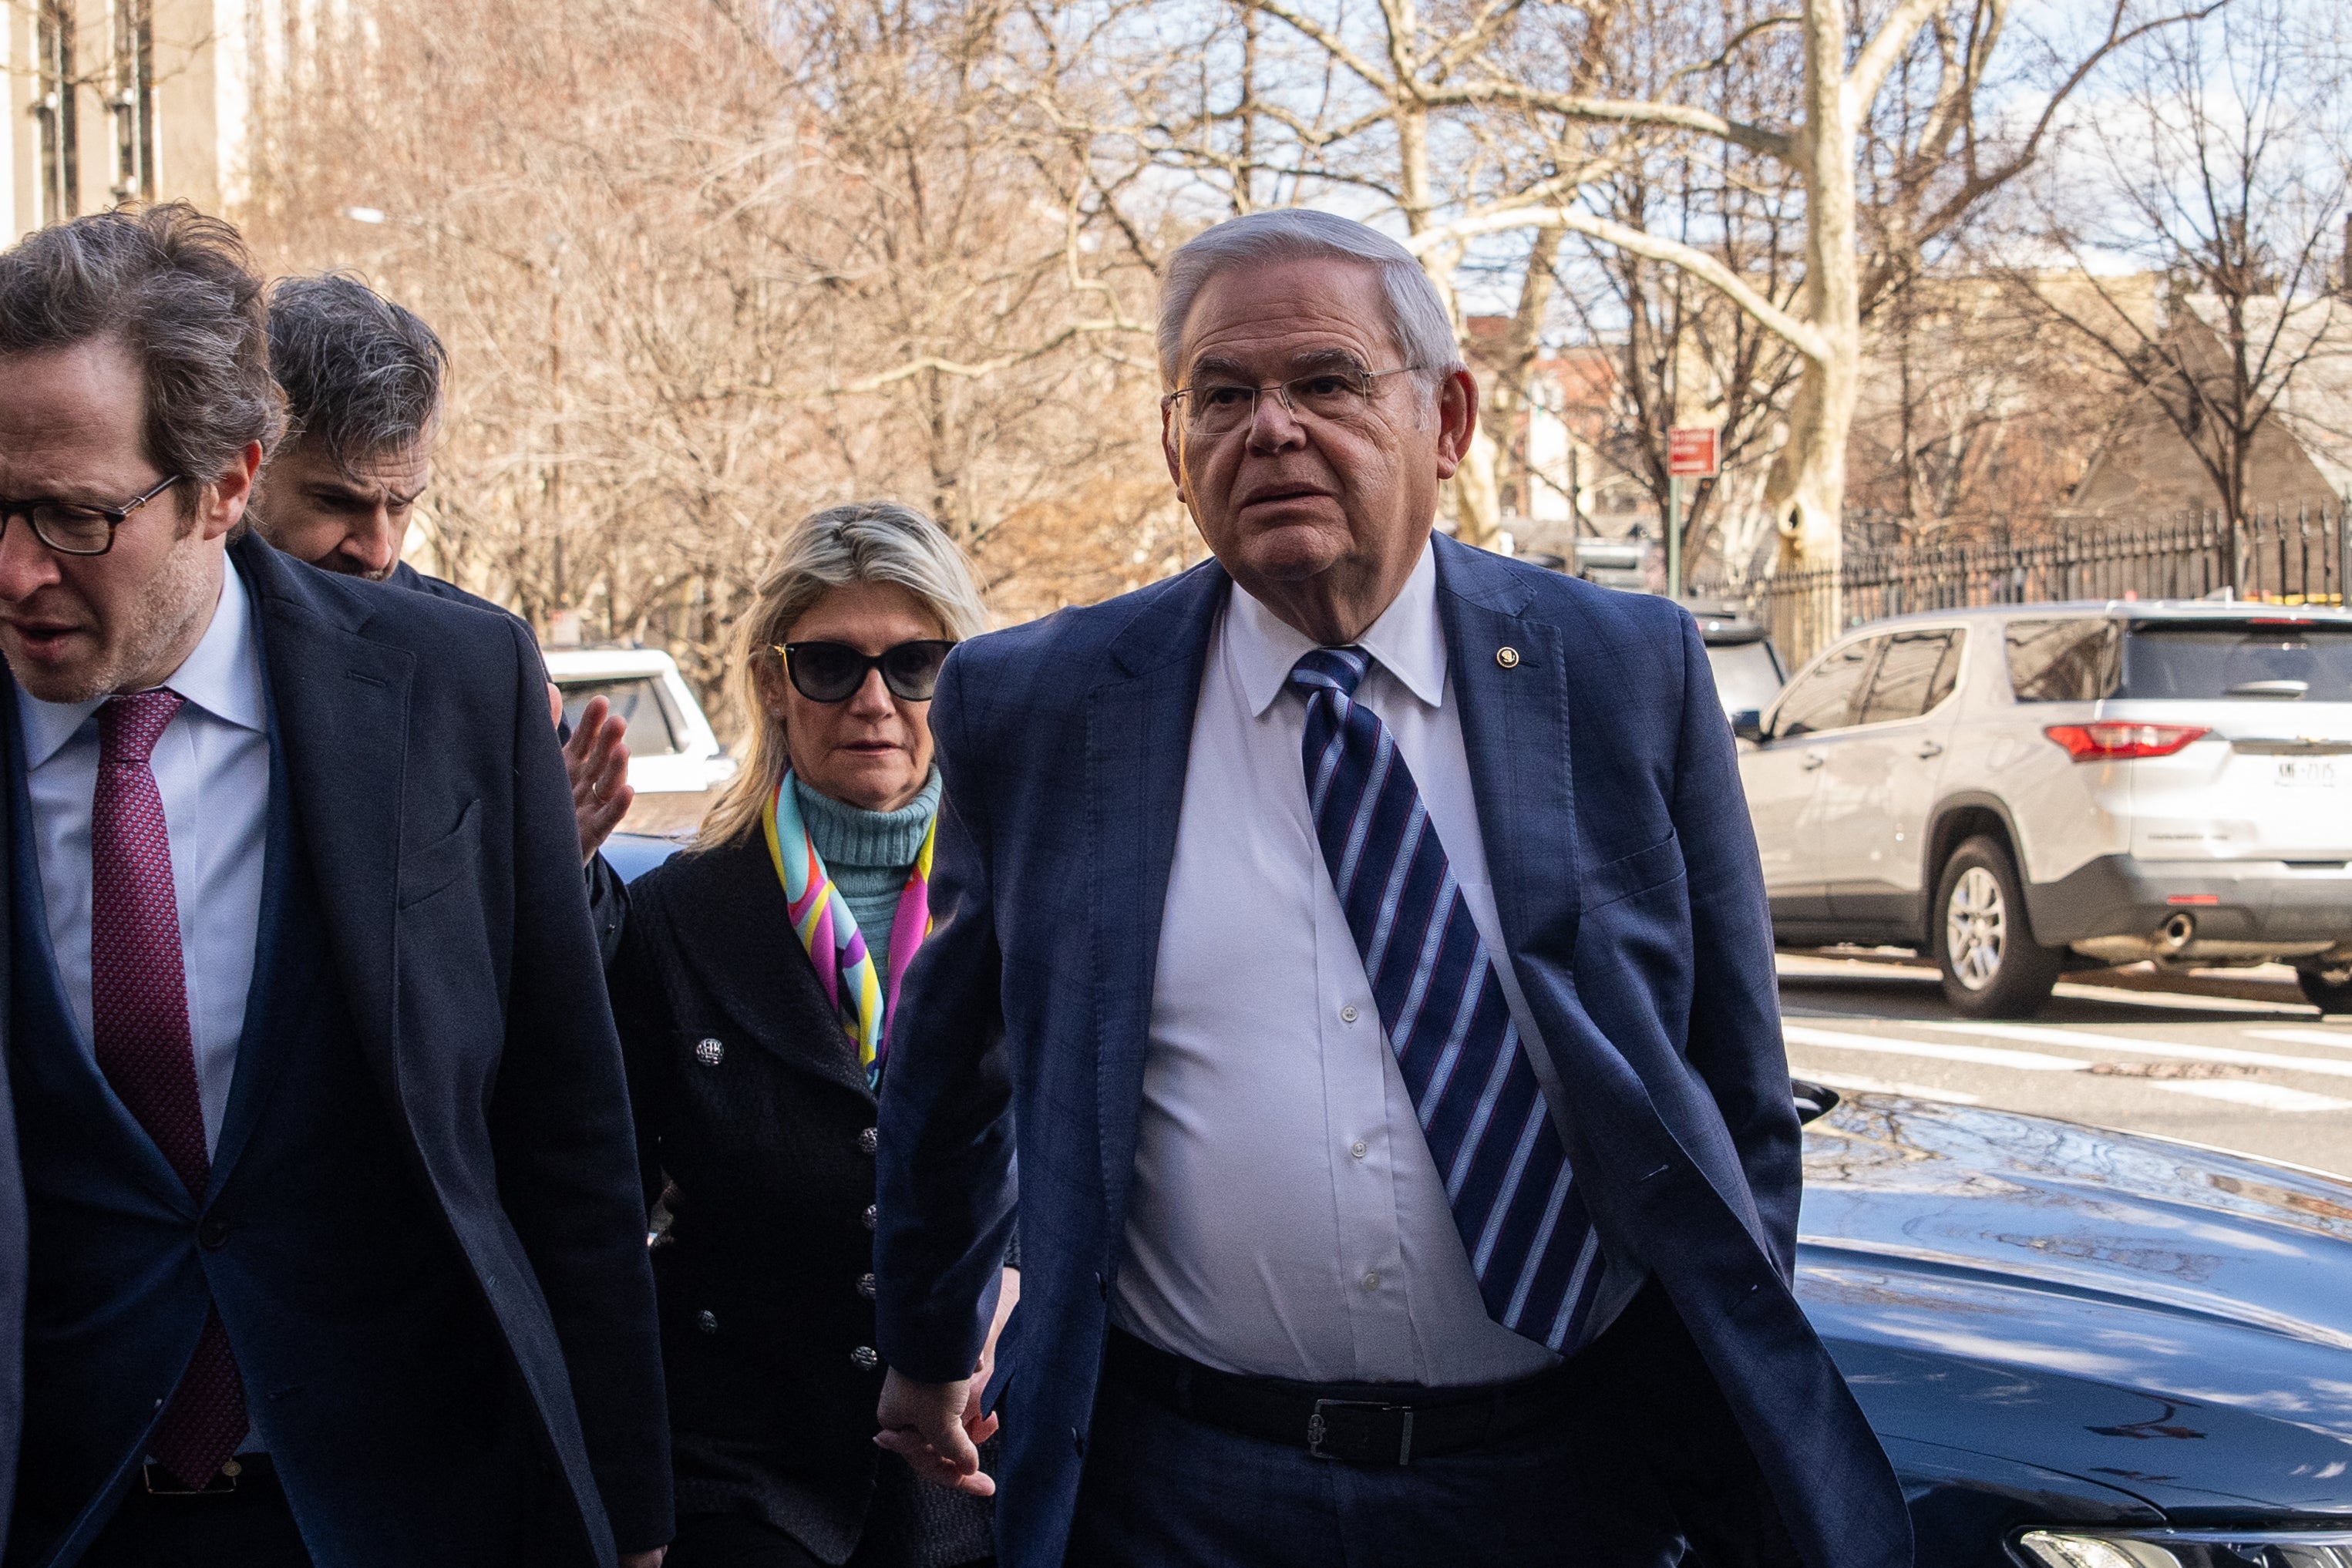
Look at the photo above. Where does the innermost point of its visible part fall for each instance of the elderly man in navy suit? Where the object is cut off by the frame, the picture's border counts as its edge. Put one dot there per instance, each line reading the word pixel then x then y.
pixel 1363 939
pixel 320 1241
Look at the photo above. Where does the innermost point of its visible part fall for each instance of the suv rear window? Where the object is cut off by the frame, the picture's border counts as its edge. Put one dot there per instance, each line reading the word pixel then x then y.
pixel 636 701
pixel 2073 660
pixel 2238 659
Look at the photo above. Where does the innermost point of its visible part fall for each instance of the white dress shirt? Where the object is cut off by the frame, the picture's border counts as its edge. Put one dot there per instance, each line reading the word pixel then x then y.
pixel 1288 1219
pixel 212 768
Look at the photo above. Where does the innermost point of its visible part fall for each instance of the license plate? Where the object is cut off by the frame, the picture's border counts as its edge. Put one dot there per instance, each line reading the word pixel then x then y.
pixel 2306 773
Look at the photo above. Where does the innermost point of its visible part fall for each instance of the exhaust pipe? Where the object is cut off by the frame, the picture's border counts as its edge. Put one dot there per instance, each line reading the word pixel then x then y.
pixel 2176 934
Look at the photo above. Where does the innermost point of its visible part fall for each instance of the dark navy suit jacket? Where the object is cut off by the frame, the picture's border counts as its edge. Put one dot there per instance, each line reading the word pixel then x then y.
pixel 433 818
pixel 1627 882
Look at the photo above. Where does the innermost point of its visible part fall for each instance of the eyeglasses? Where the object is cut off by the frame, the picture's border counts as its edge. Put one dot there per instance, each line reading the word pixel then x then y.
pixel 76 529
pixel 833 671
pixel 1221 408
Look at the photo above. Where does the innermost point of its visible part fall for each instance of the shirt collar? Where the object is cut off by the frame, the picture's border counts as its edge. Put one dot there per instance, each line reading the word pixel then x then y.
pixel 1406 641
pixel 222 675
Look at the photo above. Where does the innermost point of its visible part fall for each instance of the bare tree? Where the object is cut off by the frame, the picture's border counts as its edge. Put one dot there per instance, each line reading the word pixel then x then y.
pixel 706 266
pixel 2220 174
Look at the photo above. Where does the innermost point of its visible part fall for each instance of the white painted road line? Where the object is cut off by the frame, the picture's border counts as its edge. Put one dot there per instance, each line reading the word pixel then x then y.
pixel 1857 1082
pixel 2269 1096
pixel 2086 1041
pixel 1982 1056
pixel 2337 1039
pixel 2180 1001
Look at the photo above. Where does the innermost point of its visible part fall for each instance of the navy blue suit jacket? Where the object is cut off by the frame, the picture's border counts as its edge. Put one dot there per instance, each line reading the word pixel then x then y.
pixel 1632 905
pixel 433 810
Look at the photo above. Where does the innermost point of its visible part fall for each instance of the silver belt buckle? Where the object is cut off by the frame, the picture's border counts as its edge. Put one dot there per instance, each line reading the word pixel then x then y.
pixel 1317 1428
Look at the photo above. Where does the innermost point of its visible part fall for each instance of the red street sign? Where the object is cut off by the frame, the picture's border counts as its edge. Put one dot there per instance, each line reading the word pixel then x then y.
pixel 1693 452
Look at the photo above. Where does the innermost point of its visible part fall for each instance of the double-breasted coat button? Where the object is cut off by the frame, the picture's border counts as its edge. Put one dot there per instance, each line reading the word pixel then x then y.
pixel 709 1052
pixel 868 1217
pixel 864 1358
pixel 865 1286
pixel 708 1321
pixel 870 1140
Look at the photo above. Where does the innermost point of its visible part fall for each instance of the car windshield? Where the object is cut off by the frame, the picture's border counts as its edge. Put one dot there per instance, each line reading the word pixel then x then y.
pixel 636 701
pixel 1746 675
pixel 2239 659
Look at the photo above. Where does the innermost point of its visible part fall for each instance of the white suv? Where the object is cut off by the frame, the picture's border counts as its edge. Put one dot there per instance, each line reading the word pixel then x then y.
pixel 2024 789
pixel 671 747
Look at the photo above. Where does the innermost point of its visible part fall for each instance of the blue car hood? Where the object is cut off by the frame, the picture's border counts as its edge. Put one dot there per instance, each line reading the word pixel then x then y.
pixel 2170 1323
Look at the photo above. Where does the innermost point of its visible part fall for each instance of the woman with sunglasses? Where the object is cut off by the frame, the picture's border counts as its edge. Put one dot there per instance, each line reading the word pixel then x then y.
pixel 755 987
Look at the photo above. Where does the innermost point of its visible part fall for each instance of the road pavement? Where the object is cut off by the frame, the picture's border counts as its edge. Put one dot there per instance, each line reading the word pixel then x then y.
pixel 2230 1059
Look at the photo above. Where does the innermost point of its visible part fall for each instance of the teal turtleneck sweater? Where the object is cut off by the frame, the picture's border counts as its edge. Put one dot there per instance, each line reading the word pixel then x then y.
pixel 868 855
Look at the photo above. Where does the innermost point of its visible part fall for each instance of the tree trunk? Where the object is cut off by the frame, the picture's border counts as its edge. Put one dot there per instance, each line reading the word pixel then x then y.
pixel 1807 490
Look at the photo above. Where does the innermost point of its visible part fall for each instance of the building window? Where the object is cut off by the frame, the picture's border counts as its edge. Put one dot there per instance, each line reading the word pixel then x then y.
pixel 60 148
pixel 133 99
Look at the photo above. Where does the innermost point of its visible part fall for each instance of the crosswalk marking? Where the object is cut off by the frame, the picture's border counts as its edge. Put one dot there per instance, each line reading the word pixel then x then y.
pixel 2339 1039
pixel 1864 1085
pixel 2083 1039
pixel 1983 1056
pixel 2269 1096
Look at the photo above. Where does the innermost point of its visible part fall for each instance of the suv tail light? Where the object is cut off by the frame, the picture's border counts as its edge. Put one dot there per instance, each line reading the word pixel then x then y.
pixel 2114 742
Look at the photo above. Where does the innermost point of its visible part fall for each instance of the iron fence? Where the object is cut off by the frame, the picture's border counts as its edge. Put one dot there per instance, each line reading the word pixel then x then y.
pixel 2302 557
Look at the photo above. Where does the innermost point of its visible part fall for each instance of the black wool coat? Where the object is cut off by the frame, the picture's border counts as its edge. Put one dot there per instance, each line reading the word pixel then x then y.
pixel 752 1111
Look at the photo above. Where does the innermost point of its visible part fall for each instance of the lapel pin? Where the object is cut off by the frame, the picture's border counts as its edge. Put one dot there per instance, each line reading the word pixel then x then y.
pixel 1509 658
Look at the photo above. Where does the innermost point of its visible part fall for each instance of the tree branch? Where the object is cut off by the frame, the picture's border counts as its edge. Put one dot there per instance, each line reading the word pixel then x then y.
pixel 1799 334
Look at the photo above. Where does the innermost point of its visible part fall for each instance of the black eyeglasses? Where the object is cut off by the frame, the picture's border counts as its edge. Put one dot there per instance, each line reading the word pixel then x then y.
pixel 71 529
pixel 833 671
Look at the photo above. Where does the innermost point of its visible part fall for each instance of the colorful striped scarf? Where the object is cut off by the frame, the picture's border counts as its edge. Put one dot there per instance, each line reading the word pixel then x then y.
pixel 829 933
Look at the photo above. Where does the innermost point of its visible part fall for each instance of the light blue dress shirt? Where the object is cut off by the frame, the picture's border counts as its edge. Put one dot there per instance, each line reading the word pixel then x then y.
pixel 212 768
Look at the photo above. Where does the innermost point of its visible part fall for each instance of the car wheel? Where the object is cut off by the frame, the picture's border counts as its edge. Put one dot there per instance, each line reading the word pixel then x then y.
pixel 1992 967
pixel 2329 990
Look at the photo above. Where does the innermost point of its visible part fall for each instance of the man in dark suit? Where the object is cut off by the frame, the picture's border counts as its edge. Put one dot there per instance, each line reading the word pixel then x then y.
pixel 362 378
pixel 1364 935
pixel 331 1251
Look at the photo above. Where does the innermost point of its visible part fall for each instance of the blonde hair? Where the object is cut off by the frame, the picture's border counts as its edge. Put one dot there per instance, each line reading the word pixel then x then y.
pixel 863 542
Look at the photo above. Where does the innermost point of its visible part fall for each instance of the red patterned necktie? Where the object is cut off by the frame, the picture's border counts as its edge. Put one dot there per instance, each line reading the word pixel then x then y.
pixel 139 1029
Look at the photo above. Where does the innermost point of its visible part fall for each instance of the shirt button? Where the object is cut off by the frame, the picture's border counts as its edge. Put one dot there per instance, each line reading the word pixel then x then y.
pixel 868 1217
pixel 870 1140
pixel 1372 1280
pixel 1359 1148
pixel 709 1052
pixel 707 1321
pixel 865 1286
pixel 1348 1014
pixel 864 1358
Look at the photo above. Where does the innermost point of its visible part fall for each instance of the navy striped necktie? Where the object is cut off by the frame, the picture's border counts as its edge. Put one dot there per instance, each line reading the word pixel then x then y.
pixel 1515 1201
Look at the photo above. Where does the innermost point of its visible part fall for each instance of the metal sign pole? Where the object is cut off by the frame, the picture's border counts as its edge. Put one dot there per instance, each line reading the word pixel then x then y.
pixel 1674 536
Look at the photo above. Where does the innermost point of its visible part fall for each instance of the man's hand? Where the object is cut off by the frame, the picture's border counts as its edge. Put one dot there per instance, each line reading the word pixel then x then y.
pixel 645 1559
pixel 598 764
pixel 937 1429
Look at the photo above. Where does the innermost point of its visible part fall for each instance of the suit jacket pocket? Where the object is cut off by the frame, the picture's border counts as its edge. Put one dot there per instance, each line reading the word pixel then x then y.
pixel 424 872
pixel 1636 873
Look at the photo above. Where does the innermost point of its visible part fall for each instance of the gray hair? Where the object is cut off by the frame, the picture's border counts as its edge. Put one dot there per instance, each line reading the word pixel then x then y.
pixel 1417 318
pixel 863 542
pixel 362 375
pixel 177 289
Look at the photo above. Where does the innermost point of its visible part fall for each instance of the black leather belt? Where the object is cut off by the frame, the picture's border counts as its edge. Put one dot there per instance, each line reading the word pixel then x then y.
pixel 1369 1424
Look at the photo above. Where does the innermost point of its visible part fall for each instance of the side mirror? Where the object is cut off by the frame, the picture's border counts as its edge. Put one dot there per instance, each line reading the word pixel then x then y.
pixel 1748 725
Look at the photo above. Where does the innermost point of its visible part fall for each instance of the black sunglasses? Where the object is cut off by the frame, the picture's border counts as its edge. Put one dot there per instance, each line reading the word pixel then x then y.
pixel 833 671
